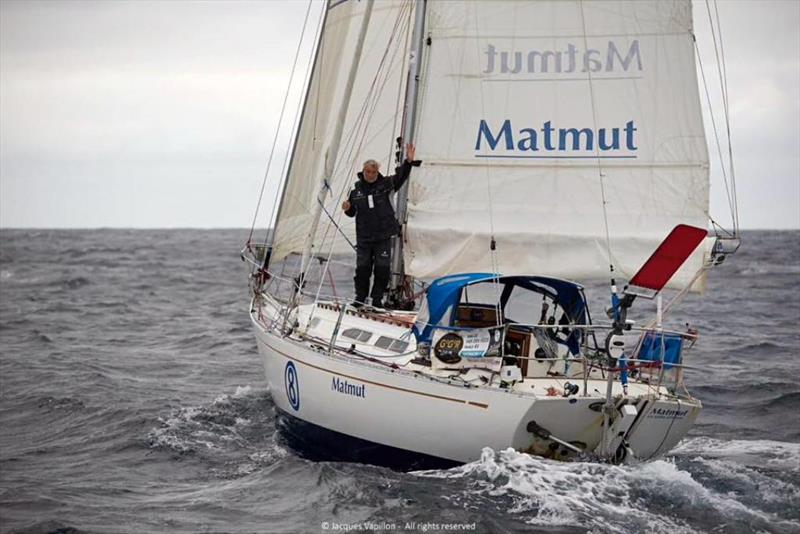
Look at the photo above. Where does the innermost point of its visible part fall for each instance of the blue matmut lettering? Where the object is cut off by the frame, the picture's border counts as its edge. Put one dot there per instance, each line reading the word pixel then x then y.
pixel 549 139
pixel 346 388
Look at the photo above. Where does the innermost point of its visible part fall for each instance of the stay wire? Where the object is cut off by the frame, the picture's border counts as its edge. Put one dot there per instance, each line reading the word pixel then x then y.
pixel 726 101
pixel 349 137
pixel 487 168
pixel 350 144
pixel 370 102
pixel 597 153
pixel 399 101
pixel 714 127
pixel 280 121
pixel 724 92
pixel 354 143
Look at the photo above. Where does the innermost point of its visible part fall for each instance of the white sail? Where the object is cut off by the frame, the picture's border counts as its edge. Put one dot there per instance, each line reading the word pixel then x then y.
pixel 524 106
pixel 371 118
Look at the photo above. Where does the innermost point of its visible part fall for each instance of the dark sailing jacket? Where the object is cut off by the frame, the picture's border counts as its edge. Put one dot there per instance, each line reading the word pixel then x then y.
pixel 375 220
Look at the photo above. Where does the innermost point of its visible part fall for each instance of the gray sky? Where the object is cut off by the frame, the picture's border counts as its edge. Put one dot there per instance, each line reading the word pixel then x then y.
pixel 161 114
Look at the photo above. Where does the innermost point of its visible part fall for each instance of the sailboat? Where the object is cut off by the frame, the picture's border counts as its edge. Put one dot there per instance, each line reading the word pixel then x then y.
pixel 560 141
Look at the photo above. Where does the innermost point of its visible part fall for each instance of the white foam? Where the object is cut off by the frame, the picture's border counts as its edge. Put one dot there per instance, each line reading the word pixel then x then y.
pixel 191 428
pixel 602 497
pixel 760 487
pixel 590 495
pixel 242 391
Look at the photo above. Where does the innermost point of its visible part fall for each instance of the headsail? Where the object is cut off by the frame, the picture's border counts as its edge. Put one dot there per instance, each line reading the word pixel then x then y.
pixel 370 114
pixel 525 106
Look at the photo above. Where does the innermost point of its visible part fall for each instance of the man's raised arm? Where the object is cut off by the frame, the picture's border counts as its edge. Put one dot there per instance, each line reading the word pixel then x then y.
pixel 403 171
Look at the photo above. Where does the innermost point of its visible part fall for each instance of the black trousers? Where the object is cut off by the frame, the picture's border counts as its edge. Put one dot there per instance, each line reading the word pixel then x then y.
pixel 377 256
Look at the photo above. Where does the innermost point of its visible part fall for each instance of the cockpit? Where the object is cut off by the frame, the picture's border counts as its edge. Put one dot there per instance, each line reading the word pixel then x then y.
pixel 486 320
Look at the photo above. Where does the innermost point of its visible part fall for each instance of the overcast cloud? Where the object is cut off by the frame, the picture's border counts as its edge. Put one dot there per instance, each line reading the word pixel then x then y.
pixel 161 114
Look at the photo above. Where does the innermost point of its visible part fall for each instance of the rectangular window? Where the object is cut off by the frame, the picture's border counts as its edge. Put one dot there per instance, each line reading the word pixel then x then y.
pixel 384 342
pixel 394 345
pixel 398 346
pixel 362 336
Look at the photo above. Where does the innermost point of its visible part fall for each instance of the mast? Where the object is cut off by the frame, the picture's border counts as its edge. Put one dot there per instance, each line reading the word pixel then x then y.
pixel 410 109
pixel 333 148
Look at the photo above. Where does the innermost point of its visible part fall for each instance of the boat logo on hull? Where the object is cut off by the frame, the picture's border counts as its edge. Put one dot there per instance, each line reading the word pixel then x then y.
pixel 343 386
pixel 663 413
pixel 292 384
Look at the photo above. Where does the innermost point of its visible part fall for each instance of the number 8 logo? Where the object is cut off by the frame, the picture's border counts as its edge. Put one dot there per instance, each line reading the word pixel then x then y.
pixel 292 384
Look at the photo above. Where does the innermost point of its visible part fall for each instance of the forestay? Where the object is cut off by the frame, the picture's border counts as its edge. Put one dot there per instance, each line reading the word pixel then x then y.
pixel 525 106
pixel 370 117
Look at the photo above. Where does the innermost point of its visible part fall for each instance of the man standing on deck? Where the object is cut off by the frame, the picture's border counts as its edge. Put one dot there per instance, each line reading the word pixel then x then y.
pixel 370 203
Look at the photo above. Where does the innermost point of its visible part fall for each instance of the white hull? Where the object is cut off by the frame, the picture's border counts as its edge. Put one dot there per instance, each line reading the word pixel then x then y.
pixel 447 419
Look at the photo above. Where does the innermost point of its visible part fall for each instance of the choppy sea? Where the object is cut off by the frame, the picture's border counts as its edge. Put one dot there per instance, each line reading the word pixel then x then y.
pixel 132 400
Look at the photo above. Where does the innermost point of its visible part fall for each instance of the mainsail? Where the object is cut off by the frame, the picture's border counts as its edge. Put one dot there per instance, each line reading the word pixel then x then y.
pixel 531 114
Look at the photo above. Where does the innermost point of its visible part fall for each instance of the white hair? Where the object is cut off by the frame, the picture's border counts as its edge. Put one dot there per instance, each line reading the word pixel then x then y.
pixel 372 163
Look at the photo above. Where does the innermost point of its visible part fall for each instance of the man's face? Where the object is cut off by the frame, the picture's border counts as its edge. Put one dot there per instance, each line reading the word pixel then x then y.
pixel 370 173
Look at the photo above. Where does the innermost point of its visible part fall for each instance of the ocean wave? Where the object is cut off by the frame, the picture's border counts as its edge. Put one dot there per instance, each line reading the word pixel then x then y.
pixel 235 432
pixel 652 496
pixel 743 393
pixel 38 335
pixel 193 428
pixel 761 268
pixel 778 455
pixel 69 404
pixel 759 345
pixel 52 527
pixel 789 401
pixel 113 357
pixel 76 283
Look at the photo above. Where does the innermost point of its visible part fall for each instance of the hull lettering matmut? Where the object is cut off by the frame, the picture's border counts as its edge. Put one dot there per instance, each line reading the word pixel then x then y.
pixel 346 388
